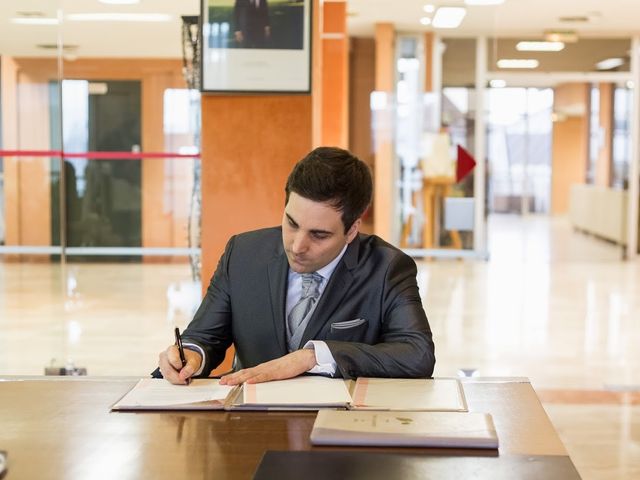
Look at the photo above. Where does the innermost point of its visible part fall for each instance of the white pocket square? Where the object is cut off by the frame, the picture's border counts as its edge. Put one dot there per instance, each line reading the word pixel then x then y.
pixel 348 324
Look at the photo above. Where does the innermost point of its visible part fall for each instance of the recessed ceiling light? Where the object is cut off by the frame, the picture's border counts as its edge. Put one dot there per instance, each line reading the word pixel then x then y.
pixel 448 17
pixel 425 21
pixel 527 46
pixel 629 84
pixel 566 36
pixel 518 63
pixel 498 83
pixel 483 2
pixel 35 21
pixel 119 17
pixel 610 63
pixel 429 8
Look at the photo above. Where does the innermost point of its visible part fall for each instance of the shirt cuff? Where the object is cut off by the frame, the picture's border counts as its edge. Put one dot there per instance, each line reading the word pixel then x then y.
pixel 325 363
pixel 196 348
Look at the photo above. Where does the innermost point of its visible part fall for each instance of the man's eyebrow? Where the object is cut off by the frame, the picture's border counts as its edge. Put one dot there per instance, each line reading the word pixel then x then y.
pixel 321 232
pixel 314 231
pixel 291 219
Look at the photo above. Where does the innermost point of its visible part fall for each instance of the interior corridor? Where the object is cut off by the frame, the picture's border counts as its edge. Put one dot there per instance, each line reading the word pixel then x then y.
pixel 553 305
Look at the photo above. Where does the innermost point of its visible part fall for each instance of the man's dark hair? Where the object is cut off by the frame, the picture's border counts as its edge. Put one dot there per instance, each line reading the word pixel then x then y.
pixel 335 176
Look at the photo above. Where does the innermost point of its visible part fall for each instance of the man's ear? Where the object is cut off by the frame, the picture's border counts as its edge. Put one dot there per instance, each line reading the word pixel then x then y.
pixel 353 231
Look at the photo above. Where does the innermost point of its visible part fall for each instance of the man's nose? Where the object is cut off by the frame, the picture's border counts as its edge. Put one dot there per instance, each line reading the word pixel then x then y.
pixel 299 244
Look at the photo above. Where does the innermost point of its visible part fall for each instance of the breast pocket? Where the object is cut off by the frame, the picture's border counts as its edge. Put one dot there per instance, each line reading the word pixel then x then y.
pixel 351 330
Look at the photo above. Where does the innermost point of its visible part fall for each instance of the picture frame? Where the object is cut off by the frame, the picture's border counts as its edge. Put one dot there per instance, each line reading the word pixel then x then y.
pixel 255 46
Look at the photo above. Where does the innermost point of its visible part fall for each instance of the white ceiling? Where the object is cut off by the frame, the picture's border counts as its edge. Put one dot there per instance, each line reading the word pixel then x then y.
pixel 512 18
pixel 515 18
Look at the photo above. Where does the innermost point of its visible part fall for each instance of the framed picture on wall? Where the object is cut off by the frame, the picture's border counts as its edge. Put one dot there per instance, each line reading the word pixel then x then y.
pixel 256 46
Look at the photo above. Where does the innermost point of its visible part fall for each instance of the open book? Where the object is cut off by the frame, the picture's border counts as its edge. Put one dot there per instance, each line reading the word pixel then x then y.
pixel 404 429
pixel 440 394
pixel 300 393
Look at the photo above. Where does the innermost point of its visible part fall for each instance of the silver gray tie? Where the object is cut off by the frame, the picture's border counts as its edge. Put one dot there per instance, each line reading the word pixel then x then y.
pixel 298 317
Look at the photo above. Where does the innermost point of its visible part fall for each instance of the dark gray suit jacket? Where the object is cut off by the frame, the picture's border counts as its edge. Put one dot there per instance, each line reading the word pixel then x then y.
pixel 374 281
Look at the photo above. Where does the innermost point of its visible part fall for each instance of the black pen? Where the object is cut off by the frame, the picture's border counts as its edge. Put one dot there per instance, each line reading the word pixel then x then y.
pixel 180 349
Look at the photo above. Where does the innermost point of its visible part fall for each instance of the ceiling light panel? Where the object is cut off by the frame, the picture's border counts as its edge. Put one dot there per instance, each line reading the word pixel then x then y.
pixel 119 17
pixel 518 63
pixel 610 63
pixel 35 21
pixel 448 17
pixel 526 46
pixel 484 2
pixel 120 2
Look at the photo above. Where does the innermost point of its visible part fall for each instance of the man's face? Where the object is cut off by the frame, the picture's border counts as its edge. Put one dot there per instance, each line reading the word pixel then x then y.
pixel 313 233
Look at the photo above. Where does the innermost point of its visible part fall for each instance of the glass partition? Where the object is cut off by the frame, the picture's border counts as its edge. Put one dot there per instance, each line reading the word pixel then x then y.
pixel 99 184
pixel 433 145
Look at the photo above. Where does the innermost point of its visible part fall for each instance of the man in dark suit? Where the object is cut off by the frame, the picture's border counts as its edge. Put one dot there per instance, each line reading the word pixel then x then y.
pixel 252 26
pixel 313 295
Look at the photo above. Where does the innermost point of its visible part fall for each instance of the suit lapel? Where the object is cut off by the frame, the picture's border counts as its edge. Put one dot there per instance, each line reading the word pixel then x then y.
pixel 278 270
pixel 334 293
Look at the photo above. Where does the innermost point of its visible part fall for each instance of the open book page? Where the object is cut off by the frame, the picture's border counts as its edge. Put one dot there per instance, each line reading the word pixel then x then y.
pixel 439 394
pixel 159 394
pixel 299 392
pixel 426 429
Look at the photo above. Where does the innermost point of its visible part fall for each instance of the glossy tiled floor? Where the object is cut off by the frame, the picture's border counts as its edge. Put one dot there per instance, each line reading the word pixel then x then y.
pixel 553 305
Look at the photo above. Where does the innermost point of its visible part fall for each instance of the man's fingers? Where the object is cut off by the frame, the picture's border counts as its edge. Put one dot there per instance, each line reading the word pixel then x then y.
pixel 171 365
pixel 167 369
pixel 174 357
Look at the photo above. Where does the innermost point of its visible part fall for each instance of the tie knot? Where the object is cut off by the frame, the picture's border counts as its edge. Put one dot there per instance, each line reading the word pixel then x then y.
pixel 311 284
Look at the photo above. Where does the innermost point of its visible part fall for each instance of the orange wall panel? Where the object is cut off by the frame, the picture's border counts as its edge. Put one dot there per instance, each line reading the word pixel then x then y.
pixel 570 143
pixel 249 145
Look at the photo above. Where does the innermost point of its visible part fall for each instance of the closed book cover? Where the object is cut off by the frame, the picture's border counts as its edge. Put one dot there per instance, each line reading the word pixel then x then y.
pixel 158 394
pixel 404 429
pixel 418 394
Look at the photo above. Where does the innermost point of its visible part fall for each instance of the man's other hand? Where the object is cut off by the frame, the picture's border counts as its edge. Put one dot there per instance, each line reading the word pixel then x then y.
pixel 171 366
pixel 289 366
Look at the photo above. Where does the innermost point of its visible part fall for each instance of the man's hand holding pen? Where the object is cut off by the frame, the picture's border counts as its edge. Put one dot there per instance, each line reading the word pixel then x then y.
pixel 177 365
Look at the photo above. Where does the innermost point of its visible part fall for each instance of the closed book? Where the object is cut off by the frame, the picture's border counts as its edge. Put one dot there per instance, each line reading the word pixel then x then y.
pixel 404 429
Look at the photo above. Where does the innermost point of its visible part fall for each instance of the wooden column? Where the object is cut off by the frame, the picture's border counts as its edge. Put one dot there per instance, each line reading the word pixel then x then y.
pixel 570 143
pixel 27 180
pixel 335 74
pixel 383 202
pixel 604 164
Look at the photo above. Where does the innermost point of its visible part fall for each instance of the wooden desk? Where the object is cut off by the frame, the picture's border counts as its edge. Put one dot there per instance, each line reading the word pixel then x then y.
pixel 62 429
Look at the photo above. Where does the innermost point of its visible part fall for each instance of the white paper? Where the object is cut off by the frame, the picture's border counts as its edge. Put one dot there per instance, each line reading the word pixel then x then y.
pixel 157 392
pixel 306 390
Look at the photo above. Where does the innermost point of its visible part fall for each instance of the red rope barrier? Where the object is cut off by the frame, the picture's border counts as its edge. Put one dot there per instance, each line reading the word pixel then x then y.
pixel 96 155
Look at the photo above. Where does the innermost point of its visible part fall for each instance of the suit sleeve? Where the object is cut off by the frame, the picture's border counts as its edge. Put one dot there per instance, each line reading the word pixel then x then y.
pixel 405 348
pixel 210 328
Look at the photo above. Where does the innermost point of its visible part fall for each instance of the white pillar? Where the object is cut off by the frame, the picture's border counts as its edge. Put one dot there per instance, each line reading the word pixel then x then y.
pixel 634 177
pixel 479 174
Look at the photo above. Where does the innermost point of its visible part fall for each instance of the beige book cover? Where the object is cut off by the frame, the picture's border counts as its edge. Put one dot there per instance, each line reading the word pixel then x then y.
pixel 419 394
pixel 158 394
pixel 404 429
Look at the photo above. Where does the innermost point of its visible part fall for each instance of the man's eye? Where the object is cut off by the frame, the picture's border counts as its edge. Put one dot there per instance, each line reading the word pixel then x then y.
pixel 320 236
